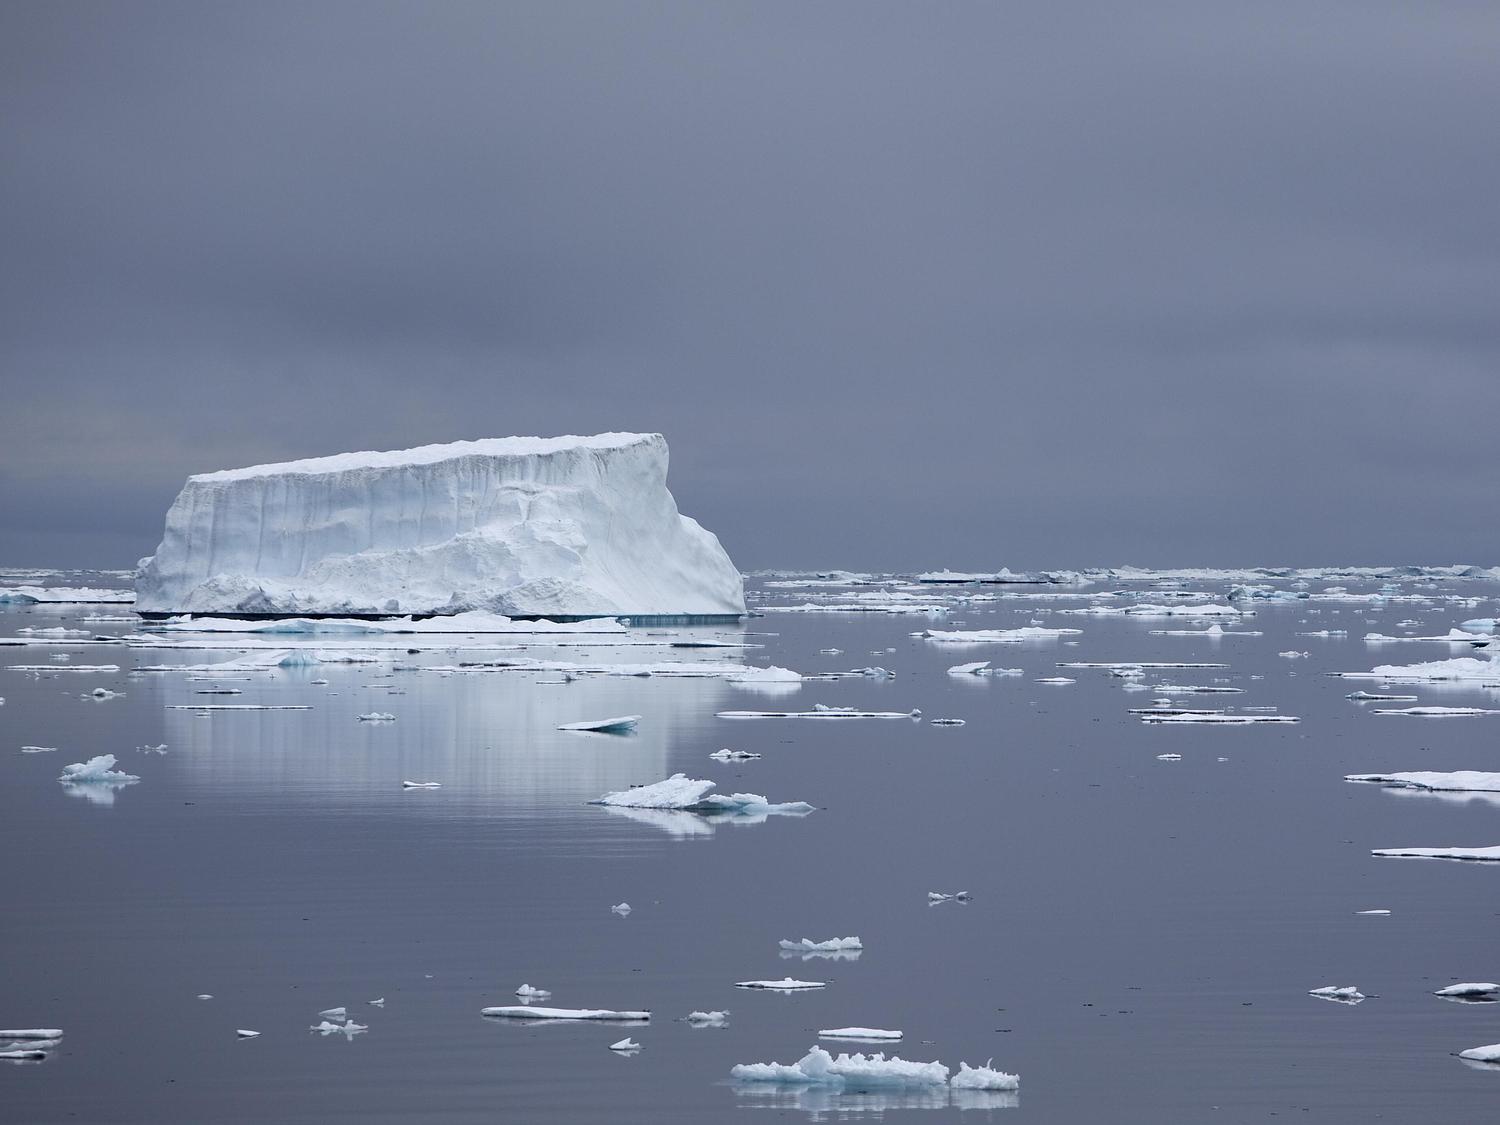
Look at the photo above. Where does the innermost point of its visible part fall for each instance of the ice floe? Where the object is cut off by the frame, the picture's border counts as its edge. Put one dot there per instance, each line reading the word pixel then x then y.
pixel 620 724
pixel 1377 697
pixel 832 945
pixel 998 636
pixel 1151 610
pixel 533 993
pixel 1477 855
pixel 98 770
pixel 421 785
pixel 680 792
pixel 532 1012
pixel 1458 781
pixel 822 711
pixel 1435 712
pixel 728 755
pixel 246 1033
pixel 1486 1054
pixel 626 1044
pixel 620 908
pixel 708 1019
pixel 377 717
pixel 984 1077
pixel 1216 718
pixel 1469 990
pixel 32 1033
pixel 858 1071
pixel 867 1033
pixel 1431 671
pixel 1343 994
pixel 943 896
pixel 786 984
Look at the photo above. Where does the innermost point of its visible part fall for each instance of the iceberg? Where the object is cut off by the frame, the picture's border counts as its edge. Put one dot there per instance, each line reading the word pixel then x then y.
pixel 96 771
pixel 32 1033
pixel 524 527
pixel 686 794
pixel 1431 671
pixel 983 1078
pixel 1486 1054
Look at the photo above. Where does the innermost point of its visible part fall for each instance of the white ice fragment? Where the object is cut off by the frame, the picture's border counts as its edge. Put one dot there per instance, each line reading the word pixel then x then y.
pixel 205 996
pixel 377 717
pixel 618 725
pixel 1169 757
pixel 534 993
pixel 32 1033
pixel 571 526
pixel 977 668
pixel 620 908
pixel 377 1003
pixel 1343 994
pixel 1372 912
pixel 1469 989
pixel 771 675
pixel 1055 680
pixel 858 1033
pixel 1217 717
pixel 942 896
pixel 1477 855
pixel 1435 712
pixel 526 1012
pixel 38 749
pixel 335 1013
pixel 99 770
pixel 1370 696
pixel 25 1054
pixel 682 792
pixel 997 636
pixel 945 722
pixel 1486 1054
pixel 832 945
pixel 983 1078
pixel 708 1019
pixel 246 1033
pixel 350 1029
pixel 1457 781
pixel 818 1068
pixel 822 711
pixel 421 785
pixel 786 984
pixel 727 755
pixel 626 1044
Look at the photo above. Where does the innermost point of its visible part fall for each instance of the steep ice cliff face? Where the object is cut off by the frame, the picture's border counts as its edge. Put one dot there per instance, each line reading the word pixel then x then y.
pixel 567 526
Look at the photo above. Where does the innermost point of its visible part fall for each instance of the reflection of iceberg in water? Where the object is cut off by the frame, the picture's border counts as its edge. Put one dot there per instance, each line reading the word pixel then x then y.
pixel 485 738
pixel 95 792
pixel 684 824
pixel 819 1100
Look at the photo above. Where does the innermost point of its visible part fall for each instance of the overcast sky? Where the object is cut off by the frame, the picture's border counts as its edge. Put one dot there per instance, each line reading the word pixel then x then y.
pixel 905 285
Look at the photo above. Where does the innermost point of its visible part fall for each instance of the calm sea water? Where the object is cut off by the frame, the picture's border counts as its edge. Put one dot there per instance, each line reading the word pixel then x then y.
pixel 1139 945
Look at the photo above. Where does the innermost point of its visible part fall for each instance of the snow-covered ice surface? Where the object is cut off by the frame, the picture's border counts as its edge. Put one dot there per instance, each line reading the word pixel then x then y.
pixel 1124 910
pixel 576 526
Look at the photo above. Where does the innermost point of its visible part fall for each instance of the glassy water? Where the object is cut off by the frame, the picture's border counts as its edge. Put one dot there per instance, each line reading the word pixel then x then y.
pixel 1139 945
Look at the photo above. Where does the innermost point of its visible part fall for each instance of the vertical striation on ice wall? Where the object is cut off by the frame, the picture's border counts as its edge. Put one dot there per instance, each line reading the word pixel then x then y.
pixel 525 526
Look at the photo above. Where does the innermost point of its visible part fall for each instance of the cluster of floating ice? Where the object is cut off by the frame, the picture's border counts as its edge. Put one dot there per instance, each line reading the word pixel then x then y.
pixel 859 1071
pixel 682 793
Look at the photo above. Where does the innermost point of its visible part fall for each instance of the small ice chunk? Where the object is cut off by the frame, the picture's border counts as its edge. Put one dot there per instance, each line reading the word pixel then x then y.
pixel 1341 993
pixel 983 1078
pixel 1368 696
pixel 618 725
pixel 1055 680
pixel 943 896
pixel 377 1003
pixel 818 1068
pixel 1457 781
pixel 1486 1054
pixel 858 1033
pixel 786 984
pixel 38 749
pixel 620 908
pixel 626 1044
pixel 377 717
pixel 205 996
pixel 335 1013
pixel 1469 989
pixel 976 668
pixel 832 945
pixel 245 1033
pixel 728 755
pixel 535 993
pixel 945 722
pixel 96 771
pixel 522 1011
pixel 1477 855
pixel 25 1054
pixel 1435 712
pixel 32 1033
pixel 1169 757
pixel 708 1019
pixel 350 1029
pixel 421 785
pixel 1372 912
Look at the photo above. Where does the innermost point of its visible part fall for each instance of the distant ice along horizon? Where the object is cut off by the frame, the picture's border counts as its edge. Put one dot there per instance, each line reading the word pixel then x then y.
pixel 525 526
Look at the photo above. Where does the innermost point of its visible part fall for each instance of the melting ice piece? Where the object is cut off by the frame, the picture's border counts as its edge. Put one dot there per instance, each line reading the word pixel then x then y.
pixel 620 908
pixel 941 896
pixel 525 1012
pixel 771 675
pixel 618 725
pixel 38 749
pixel 24 1054
pixel 727 755
pixel 377 717
pixel 377 1003
pixel 997 636
pixel 1469 990
pixel 983 1078
pixel 691 794
pixel 858 1033
pixel 1458 781
pixel 245 1033
pixel 832 945
pixel 1486 1054
pixel 945 722
pixel 1477 855
pixel 335 1013
pixel 205 996
pixel 350 1029
pixel 1169 757
pixel 1369 696
pixel 1435 712
pixel 96 771
pixel 708 1019
pixel 626 1044
pixel 32 1033
pixel 818 1068
pixel 1372 912
pixel 977 668
pixel 1220 718
pixel 104 693
pixel 822 711
pixel 1343 994
pixel 421 785
pixel 786 984
pixel 534 993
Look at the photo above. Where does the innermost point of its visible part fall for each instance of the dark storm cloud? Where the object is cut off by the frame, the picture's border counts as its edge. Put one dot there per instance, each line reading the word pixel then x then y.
pixel 904 285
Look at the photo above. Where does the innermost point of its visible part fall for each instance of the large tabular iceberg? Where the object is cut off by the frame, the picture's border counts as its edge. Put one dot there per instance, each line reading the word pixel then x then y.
pixel 523 526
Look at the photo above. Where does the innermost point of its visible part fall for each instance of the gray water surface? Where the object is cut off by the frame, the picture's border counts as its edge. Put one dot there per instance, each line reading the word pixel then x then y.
pixel 1138 948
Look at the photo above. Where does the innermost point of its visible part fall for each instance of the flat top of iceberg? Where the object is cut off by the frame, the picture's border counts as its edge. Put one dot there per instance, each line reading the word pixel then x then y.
pixel 430 455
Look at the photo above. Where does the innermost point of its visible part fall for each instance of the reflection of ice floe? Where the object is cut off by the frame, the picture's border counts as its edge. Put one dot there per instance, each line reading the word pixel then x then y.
pixel 821 1101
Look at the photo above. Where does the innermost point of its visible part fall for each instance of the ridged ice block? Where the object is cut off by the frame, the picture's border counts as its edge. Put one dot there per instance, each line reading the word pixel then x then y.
pixel 524 526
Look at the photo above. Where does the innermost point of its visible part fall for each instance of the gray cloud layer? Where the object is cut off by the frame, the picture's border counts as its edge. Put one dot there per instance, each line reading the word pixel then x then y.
pixel 904 284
